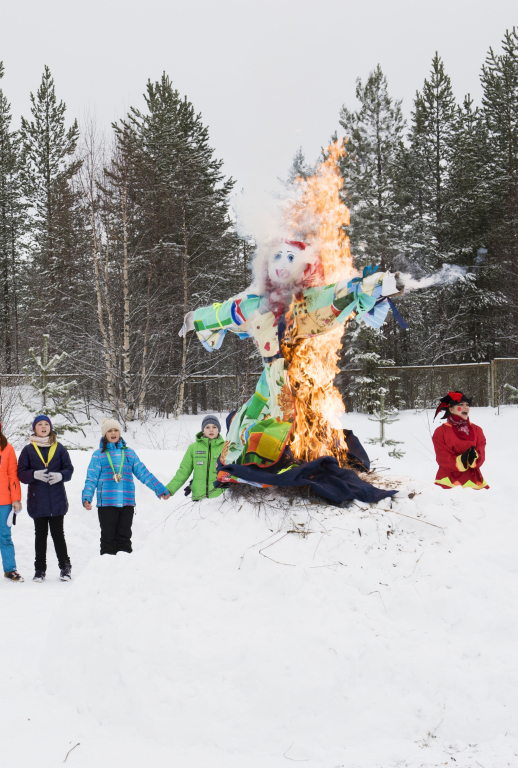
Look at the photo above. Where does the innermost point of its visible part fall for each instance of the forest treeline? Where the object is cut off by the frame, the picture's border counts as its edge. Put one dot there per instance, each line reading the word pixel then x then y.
pixel 105 243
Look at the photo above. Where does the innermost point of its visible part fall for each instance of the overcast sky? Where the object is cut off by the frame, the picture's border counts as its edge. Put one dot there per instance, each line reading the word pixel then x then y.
pixel 268 76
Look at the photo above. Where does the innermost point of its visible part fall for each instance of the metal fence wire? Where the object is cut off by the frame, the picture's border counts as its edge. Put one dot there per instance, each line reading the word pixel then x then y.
pixel 416 386
pixel 422 386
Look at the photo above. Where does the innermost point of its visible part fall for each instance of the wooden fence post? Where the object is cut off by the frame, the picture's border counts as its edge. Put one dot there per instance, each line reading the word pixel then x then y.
pixel 494 385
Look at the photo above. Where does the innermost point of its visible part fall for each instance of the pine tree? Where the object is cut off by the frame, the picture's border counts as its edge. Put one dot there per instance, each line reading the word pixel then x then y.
pixel 362 355
pixel 385 416
pixel 166 217
pixel 12 219
pixel 48 148
pixel 299 167
pixel 500 111
pixel 57 401
pixel 432 138
pixel 374 144
pixel 437 315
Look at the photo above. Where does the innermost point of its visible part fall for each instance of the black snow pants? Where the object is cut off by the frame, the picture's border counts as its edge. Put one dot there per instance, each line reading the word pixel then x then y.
pixel 115 525
pixel 41 530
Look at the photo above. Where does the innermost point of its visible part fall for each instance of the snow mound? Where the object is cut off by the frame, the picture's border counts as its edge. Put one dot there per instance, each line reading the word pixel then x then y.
pixel 365 636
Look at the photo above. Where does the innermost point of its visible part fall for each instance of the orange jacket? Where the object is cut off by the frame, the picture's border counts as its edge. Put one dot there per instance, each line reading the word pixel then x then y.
pixel 9 484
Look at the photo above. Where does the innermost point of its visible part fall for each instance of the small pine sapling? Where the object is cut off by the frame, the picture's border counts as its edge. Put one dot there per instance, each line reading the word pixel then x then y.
pixel 385 416
pixel 513 396
pixel 56 398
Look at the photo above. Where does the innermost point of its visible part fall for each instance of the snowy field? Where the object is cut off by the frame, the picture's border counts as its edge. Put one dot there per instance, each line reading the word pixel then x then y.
pixel 367 637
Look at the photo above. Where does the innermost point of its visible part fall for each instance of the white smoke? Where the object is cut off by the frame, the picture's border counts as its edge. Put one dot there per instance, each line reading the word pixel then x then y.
pixel 447 275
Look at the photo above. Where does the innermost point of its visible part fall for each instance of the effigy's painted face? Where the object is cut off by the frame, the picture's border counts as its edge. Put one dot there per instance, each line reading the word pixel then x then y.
pixel 286 265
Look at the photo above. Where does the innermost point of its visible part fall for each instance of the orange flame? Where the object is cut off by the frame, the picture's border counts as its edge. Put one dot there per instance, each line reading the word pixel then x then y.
pixel 319 216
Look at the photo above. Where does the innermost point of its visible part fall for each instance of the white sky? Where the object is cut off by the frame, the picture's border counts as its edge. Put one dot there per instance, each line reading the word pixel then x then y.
pixel 268 76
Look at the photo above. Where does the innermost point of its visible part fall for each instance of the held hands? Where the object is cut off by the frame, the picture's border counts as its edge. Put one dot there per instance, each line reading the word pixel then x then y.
pixel 165 496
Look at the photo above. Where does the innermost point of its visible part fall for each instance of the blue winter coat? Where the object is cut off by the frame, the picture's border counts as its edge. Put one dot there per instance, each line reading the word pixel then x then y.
pixel 99 477
pixel 44 500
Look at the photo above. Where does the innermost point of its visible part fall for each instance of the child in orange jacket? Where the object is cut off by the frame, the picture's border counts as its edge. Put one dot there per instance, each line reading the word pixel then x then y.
pixel 10 504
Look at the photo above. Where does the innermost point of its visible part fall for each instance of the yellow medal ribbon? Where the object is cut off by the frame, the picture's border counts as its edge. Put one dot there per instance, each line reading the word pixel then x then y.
pixel 117 476
pixel 52 451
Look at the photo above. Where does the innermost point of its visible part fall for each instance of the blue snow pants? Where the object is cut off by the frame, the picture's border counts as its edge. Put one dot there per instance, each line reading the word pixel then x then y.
pixel 6 542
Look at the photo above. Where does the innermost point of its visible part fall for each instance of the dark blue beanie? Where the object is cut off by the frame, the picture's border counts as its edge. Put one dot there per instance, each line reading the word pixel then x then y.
pixel 41 417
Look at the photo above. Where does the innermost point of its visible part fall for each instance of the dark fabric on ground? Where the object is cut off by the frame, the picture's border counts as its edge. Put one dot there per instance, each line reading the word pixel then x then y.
pixel 115 525
pixel 41 529
pixel 324 476
pixel 356 453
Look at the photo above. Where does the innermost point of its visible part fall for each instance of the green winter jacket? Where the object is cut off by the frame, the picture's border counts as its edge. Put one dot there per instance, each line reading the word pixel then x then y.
pixel 200 458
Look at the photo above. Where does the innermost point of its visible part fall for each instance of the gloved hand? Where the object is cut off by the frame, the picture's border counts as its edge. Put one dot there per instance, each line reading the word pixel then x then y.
pixel 468 457
pixel 10 518
pixel 42 474
pixel 55 477
pixel 187 490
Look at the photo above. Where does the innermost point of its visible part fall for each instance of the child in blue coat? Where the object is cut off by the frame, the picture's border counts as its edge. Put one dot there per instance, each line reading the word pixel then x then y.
pixel 110 474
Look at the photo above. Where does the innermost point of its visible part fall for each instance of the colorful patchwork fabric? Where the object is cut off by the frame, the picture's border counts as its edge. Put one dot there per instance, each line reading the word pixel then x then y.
pixel 261 428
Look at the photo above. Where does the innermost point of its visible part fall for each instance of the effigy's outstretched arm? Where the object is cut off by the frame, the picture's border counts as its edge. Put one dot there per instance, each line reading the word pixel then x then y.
pixel 368 297
pixel 212 323
pixel 364 299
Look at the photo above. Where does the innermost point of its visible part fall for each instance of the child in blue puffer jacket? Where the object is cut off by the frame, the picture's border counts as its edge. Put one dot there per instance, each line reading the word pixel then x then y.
pixel 110 474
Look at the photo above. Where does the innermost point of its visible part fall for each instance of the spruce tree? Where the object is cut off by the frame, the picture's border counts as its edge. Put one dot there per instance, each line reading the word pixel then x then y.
pixel 166 204
pixel 55 397
pixel 299 167
pixel 12 219
pixel 432 137
pixel 374 135
pixel 374 143
pixel 500 111
pixel 426 198
pixel 49 167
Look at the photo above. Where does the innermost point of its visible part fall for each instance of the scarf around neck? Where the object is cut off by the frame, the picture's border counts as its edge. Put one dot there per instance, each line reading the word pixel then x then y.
pixel 41 442
pixel 463 427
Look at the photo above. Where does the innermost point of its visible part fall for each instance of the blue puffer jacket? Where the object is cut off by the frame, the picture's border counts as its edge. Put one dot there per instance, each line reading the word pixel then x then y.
pixel 99 477
pixel 44 500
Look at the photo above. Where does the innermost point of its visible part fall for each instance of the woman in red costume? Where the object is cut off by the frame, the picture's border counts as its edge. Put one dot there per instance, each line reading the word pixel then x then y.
pixel 460 446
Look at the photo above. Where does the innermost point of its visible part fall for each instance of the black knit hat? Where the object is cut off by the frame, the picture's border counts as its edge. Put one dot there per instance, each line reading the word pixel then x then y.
pixel 210 420
pixel 452 398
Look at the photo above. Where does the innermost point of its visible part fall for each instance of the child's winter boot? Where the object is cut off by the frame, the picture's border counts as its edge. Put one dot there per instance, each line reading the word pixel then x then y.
pixel 13 576
pixel 65 573
pixel 39 576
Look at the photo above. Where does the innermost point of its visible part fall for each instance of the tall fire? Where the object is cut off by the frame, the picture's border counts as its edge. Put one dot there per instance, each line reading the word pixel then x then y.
pixel 319 217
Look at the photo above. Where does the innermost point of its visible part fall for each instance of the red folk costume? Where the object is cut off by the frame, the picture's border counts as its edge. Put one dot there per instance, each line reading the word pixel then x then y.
pixel 460 448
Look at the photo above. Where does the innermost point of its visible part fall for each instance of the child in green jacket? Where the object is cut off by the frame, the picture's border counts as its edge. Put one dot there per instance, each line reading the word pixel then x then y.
pixel 200 458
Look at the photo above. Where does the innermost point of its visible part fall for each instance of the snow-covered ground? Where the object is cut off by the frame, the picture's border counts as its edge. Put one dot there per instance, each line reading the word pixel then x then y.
pixel 372 637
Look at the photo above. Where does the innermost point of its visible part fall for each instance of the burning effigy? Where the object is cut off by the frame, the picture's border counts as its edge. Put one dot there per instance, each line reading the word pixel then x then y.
pixel 305 292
